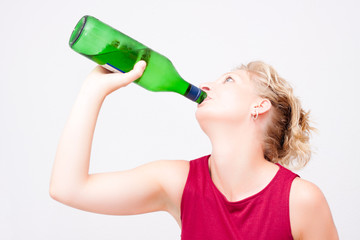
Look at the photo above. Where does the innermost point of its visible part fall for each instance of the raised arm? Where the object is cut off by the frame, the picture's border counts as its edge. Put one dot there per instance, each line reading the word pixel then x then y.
pixel 140 190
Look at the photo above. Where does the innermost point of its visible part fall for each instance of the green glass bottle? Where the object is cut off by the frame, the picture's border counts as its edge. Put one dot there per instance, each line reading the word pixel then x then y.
pixel 118 52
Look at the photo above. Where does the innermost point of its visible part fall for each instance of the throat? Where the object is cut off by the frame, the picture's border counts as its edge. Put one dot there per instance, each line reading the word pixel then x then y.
pixel 239 181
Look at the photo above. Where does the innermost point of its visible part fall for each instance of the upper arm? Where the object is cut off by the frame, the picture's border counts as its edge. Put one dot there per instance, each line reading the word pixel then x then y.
pixel 139 190
pixel 310 214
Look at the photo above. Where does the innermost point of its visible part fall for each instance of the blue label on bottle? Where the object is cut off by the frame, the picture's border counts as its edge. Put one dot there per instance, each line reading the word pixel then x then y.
pixel 193 93
pixel 112 68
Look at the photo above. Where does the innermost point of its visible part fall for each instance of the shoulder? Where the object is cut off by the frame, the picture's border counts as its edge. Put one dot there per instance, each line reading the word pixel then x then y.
pixel 168 172
pixel 170 167
pixel 310 214
pixel 175 169
pixel 171 176
pixel 164 169
pixel 305 193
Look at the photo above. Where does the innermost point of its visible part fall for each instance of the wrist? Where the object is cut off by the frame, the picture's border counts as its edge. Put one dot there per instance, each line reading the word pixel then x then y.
pixel 93 88
pixel 92 93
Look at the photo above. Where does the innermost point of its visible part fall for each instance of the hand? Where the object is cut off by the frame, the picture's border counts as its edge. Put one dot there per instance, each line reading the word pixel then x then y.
pixel 102 81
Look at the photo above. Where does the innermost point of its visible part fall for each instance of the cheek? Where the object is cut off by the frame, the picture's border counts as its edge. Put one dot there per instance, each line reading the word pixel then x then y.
pixel 234 106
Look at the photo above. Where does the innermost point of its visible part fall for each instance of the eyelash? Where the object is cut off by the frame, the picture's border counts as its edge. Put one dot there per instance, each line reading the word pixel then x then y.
pixel 226 79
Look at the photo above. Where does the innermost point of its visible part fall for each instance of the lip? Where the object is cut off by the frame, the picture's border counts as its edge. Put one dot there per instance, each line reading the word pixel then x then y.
pixel 205 100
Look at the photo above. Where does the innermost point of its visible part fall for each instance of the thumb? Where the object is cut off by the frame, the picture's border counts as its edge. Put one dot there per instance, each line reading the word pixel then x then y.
pixel 135 73
pixel 115 81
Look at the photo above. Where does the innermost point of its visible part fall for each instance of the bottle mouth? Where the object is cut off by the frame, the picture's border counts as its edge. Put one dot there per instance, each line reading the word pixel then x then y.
pixel 77 31
pixel 195 94
pixel 202 97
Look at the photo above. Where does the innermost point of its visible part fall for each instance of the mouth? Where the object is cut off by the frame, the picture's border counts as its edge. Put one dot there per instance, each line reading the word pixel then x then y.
pixel 205 100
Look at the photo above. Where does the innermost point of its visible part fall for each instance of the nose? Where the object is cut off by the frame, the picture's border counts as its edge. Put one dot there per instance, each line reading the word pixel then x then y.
pixel 205 87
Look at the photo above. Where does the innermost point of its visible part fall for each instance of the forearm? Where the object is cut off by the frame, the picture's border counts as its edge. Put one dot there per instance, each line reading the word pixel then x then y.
pixel 71 166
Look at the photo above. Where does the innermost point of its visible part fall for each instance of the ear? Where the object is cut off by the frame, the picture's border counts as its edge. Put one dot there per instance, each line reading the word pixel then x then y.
pixel 264 106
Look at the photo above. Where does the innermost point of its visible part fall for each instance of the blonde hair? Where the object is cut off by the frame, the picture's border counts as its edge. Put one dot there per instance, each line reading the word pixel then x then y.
pixel 287 134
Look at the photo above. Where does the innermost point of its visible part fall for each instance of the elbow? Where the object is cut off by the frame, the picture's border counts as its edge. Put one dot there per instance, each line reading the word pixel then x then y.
pixel 65 193
pixel 61 194
pixel 65 190
pixel 56 194
pixel 54 189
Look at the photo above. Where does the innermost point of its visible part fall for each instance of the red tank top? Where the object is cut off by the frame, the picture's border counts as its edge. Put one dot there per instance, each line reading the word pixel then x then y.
pixel 206 214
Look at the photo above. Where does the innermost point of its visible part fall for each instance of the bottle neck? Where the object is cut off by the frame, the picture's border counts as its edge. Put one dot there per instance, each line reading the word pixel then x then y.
pixel 195 94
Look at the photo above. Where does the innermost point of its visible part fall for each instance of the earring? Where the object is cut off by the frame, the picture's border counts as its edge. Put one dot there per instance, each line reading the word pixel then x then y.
pixel 255 116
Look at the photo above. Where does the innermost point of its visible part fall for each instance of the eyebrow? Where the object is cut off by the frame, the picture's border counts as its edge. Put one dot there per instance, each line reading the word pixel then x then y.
pixel 245 76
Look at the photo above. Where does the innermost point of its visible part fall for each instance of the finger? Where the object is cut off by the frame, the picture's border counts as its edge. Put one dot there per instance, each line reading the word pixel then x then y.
pixel 135 73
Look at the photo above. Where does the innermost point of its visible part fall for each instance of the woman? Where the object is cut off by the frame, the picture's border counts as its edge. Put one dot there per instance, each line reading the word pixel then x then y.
pixel 240 191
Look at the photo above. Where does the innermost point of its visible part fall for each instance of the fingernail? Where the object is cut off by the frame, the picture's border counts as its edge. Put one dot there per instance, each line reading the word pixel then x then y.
pixel 143 63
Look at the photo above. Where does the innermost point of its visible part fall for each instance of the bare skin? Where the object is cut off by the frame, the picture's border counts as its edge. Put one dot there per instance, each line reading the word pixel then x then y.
pixel 236 157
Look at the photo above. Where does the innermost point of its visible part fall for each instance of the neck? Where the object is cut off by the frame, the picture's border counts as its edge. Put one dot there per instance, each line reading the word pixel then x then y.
pixel 236 157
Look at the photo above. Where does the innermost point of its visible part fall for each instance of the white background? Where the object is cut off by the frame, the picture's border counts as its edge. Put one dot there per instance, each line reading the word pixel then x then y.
pixel 315 45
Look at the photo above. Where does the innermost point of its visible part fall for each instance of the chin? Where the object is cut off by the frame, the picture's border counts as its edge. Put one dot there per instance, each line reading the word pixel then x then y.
pixel 203 115
pixel 208 118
